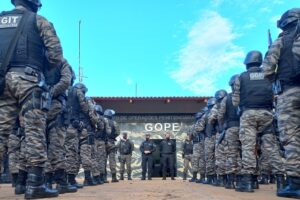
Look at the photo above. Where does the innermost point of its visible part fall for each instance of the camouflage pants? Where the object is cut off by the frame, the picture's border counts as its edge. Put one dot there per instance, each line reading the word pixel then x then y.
pixel 101 155
pixel 72 151
pixel 254 121
pixel 186 163
pixel 210 155
pixel 111 153
pixel 220 157
pixel 125 159
pixel 18 87
pixel 288 108
pixel 264 166
pixel 271 150
pixel 85 151
pixel 95 163
pixel 232 150
pixel 56 138
pixel 198 158
pixel 14 145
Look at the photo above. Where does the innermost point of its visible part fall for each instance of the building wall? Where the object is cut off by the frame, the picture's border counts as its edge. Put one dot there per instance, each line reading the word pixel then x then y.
pixel 157 125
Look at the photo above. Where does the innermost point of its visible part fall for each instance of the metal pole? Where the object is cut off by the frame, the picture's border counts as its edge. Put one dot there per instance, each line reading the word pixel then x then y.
pixel 79 64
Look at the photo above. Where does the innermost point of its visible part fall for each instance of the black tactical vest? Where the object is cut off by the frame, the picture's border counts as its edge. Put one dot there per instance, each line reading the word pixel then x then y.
pixel 167 147
pixel 215 126
pixel 125 147
pixel 30 49
pixel 288 66
pixel 256 91
pixel 231 116
pixel 73 105
pixel 188 147
pixel 148 145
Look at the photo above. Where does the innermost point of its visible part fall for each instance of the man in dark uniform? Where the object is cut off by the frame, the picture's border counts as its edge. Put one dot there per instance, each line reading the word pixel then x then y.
pixel 147 148
pixel 168 151
pixel 20 88
pixel 187 154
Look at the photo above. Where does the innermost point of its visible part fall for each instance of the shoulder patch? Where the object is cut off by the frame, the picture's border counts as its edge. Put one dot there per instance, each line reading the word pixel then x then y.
pixel 255 76
pixel 11 21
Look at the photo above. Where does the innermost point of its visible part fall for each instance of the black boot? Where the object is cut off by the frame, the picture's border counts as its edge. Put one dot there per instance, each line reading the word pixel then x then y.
pixel 21 182
pixel 98 180
pixel 14 179
pixel 101 178
pixel 143 177
pixel 105 178
pixel 184 176
pixel 280 182
pixel 209 180
pixel 88 181
pixel 255 184
pixel 129 177
pixel 194 178
pixel 222 180
pixel 292 190
pixel 244 184
pixel 114 178
pixel 49 180
pixel 264 179
pixel 202 179
pixel 272 179
pixel 121 176
pixel 62 185
pixel 36 188
pixel 230 182
pixel 72 181
pixel 215 180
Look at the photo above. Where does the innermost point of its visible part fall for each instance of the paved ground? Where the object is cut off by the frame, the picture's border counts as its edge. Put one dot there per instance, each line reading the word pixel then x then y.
pixel 158 190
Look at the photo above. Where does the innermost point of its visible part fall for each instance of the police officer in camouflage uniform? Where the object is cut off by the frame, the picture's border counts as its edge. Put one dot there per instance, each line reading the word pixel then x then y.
pixel 21 89
pixel 125 147
pixel 253 94
pixel 229 122
pixel 282 66
pixel 100 143
pixel 220 147
pixel 77 109
pixel 198 157
pixel 59 79
pixel 209 143
pixel 111 148
pixel 187 154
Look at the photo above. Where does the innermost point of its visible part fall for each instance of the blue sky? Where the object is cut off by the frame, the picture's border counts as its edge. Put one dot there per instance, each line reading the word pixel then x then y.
pixel 166 47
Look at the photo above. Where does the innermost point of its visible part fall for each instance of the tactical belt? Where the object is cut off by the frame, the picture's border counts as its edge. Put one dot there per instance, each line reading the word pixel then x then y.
pixel 125 154
pixel 286 86
pixel 256 108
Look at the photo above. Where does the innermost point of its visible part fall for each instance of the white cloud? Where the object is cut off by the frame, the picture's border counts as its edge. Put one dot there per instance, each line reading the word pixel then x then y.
pixel 208 54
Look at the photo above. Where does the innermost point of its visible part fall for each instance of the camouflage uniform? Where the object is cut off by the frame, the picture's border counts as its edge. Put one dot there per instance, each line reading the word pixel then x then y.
pixel 56 131
pixel 209 145
pixel 75 136
pixel 252 122
pixel 111 147
pixel 288 106
pixel 14 146
pixel 125 156
pixel 219 149
pixel 231 142
pixel 18 87
pixel 198 157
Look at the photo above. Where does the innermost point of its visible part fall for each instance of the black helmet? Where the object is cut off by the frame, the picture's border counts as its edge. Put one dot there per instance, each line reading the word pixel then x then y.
pixel 99 109
pixel 253 57
pixel 81 86
pixel 34 4
pixel 211 102
pixel 220 94
pixel 288 17
pixel 232 79
pixel 198 115
pixel 109 113
pixel 205 109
